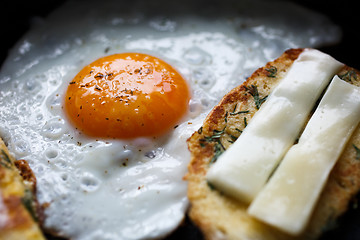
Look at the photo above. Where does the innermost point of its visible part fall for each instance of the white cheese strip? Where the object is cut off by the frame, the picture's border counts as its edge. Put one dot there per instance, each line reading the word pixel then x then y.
pixel 288 199
pixel 242 170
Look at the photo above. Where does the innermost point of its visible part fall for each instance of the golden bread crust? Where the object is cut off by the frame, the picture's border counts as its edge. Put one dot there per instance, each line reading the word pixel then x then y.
pixel 221 217
pixel 17 209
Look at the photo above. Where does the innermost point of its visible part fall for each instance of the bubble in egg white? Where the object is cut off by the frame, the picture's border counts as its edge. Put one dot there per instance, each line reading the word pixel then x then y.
pixel 115 189
pixel 38 98
pixel 21 108
pixel 15 84
pixel 60 163
pixel 89 183
pixel 39 169
pixel 21 147
pixel 64 198
pixel 204 78
pixel 150 154
pixel 54 102
pixel 51 153
pixel 64 176
pixel 53 129
pixel 195 108
pixel 31 85
pixel 197 56
pixel 39 117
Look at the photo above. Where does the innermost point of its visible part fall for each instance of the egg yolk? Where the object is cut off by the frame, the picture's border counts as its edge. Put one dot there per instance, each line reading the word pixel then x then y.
pixel 127 95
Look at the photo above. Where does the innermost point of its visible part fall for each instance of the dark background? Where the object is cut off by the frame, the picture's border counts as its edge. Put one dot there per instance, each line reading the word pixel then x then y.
pixel 15 19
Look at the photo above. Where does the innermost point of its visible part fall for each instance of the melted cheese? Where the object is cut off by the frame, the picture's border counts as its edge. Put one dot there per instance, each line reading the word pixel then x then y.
pixel 242 170
pixel 288 199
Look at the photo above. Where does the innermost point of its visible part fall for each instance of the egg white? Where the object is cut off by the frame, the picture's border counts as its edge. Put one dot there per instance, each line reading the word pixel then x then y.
pixel 114 189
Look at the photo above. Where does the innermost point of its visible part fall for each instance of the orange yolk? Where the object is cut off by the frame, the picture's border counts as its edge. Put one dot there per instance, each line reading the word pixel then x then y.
pixel 127 95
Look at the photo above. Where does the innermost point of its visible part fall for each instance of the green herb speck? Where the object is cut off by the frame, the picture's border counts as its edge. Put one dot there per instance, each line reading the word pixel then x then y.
pixel 357 152
pixel 271 71
pixel 257 99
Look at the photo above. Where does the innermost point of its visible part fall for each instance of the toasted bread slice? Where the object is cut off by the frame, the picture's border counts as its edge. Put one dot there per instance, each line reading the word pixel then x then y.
pixel 221 217
pixel 18 214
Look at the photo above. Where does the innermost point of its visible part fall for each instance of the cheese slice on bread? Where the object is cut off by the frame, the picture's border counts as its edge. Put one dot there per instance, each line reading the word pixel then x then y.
pixel 287 200
pixel 220 216
pixel 244 167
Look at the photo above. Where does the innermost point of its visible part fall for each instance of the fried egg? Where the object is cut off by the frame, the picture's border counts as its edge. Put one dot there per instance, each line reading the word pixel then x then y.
pixel 100 97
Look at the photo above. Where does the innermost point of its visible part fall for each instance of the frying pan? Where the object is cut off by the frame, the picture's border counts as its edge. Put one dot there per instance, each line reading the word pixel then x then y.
pixel 16 16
